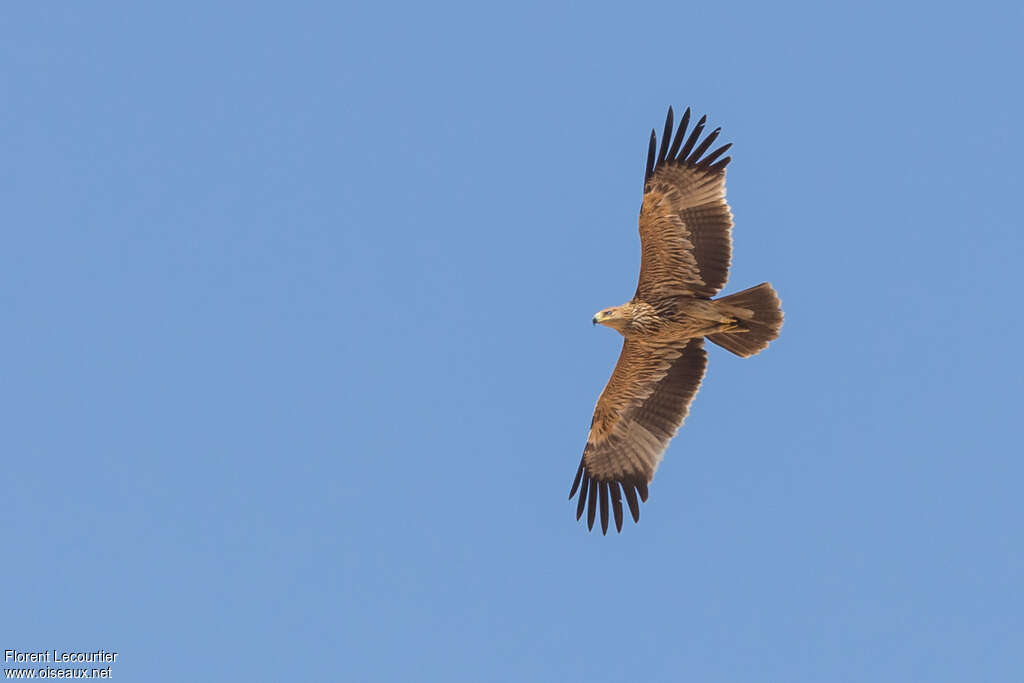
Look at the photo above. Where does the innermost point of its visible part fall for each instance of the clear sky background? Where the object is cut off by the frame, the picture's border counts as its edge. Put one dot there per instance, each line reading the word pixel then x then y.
pixel 298 363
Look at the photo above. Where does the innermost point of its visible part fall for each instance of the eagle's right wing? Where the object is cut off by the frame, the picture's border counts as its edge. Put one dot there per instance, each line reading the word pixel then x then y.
pixel 639 412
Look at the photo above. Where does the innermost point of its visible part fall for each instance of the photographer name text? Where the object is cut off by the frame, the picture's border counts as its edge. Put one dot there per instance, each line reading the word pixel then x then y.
pixel 59 656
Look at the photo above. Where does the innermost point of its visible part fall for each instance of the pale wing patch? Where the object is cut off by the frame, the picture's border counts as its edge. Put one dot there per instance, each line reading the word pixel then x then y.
pixel 687 188
pixel 646 445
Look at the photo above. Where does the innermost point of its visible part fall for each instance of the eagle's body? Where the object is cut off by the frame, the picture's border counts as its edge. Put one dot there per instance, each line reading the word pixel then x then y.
pixel 675 319
pixel 685 230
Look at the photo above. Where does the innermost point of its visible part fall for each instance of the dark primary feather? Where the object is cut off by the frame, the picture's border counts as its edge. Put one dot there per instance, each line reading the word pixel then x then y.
pixel 576 481
pixel 679 133
pixel 714 155
pixel 604 506
pixel 650 156
pixel 583 494
pixel 684 153
pixel 634 506
pixel 679 153
pixel 703 147
pixel 665 136
pixel 616 504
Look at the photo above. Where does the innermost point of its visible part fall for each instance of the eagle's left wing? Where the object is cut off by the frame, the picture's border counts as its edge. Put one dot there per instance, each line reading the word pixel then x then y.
pixel 685 222
pixel 639 412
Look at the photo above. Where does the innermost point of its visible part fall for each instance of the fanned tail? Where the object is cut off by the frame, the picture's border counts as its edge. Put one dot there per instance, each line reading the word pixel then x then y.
pixel 758 314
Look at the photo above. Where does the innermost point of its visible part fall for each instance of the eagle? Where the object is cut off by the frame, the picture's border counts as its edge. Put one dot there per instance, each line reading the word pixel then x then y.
pixel 686 243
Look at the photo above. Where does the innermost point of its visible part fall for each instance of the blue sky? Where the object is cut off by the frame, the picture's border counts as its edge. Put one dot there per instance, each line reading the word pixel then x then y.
pixel 298 362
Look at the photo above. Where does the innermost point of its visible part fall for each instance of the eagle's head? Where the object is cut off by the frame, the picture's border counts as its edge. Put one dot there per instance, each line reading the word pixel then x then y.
pixel 617 317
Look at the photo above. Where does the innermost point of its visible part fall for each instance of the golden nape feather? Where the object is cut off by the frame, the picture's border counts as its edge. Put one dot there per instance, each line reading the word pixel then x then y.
pixel 686 248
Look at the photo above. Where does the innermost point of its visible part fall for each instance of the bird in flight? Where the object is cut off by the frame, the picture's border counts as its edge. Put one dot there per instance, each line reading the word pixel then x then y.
pixel 686 243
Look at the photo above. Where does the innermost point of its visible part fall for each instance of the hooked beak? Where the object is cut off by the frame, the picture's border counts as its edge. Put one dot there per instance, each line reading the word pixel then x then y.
pixel 597 318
